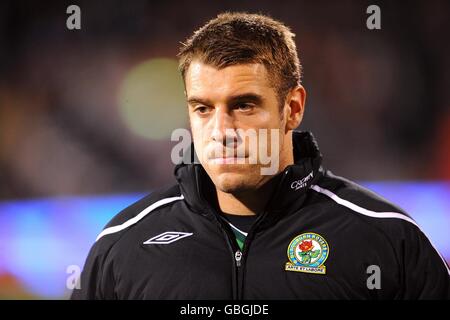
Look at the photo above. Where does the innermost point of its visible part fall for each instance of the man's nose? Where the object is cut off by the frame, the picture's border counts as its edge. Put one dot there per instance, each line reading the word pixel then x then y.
pixel 223 127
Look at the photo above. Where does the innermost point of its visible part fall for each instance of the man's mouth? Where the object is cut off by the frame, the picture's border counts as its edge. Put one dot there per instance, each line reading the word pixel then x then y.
pixel 228 160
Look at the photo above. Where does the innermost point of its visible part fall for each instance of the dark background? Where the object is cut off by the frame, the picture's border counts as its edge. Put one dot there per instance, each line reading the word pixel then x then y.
pixel 378 100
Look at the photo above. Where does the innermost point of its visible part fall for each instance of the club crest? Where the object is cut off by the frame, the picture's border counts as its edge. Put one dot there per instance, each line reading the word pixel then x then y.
pixel 307 252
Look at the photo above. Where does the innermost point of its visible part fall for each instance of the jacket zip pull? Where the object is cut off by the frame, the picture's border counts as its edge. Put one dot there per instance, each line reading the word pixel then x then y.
pixel 238 257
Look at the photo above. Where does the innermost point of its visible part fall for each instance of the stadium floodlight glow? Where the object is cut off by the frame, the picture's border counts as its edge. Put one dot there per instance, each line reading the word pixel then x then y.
pixel 151 99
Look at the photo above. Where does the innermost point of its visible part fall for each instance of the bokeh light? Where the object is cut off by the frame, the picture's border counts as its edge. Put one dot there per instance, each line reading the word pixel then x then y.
pixel 151 99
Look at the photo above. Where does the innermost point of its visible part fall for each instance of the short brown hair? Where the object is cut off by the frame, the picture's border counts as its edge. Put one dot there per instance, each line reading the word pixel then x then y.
pixel 239 38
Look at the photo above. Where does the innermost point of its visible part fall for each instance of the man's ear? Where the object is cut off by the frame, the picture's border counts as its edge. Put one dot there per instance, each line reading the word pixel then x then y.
pixel 295 106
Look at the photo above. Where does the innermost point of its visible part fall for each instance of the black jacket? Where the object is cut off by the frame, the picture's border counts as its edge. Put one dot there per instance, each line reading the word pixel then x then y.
pixel 320 237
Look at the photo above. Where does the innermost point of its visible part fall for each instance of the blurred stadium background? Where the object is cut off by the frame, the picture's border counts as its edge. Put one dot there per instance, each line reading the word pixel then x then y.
pixel 86 116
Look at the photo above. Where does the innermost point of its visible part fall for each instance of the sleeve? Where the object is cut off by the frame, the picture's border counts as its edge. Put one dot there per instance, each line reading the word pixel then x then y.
pixel 96 281
pixel 426 274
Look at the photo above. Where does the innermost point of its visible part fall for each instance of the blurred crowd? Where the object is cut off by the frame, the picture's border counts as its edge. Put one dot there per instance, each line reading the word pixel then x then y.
pixel 378 100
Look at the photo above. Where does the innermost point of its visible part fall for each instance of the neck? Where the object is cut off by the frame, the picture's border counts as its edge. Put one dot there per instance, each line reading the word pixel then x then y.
pixel 247 202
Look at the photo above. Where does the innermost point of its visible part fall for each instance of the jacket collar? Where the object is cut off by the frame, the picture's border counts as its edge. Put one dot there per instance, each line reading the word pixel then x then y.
pixel 290 188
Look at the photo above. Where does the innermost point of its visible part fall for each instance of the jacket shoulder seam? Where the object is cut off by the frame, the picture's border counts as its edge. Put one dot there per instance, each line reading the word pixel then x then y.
pixel 383 215
pixel 361 210
pixel 135 219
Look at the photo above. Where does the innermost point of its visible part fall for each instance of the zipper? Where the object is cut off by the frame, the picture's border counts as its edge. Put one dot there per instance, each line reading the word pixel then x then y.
pixel 236 253
pixel 238 257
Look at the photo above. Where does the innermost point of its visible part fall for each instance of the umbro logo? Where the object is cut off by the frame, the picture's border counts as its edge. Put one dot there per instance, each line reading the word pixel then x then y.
pixel 168 237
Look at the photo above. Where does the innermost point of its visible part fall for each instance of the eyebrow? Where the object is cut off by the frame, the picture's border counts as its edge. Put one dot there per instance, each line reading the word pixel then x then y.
pixel 246 97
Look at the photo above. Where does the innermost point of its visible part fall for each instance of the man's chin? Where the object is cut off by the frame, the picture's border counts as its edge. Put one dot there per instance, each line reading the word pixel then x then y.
pixel 233 183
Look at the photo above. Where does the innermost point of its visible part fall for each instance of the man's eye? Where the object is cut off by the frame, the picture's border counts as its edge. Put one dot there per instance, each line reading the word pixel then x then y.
pixel 245 107
pixel 202 109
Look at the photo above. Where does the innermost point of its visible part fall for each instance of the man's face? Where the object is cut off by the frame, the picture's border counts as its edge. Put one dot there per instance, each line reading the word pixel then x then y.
pixel 223 103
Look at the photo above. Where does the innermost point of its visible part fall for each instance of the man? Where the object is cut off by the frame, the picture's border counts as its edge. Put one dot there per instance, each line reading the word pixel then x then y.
pixel 230 229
